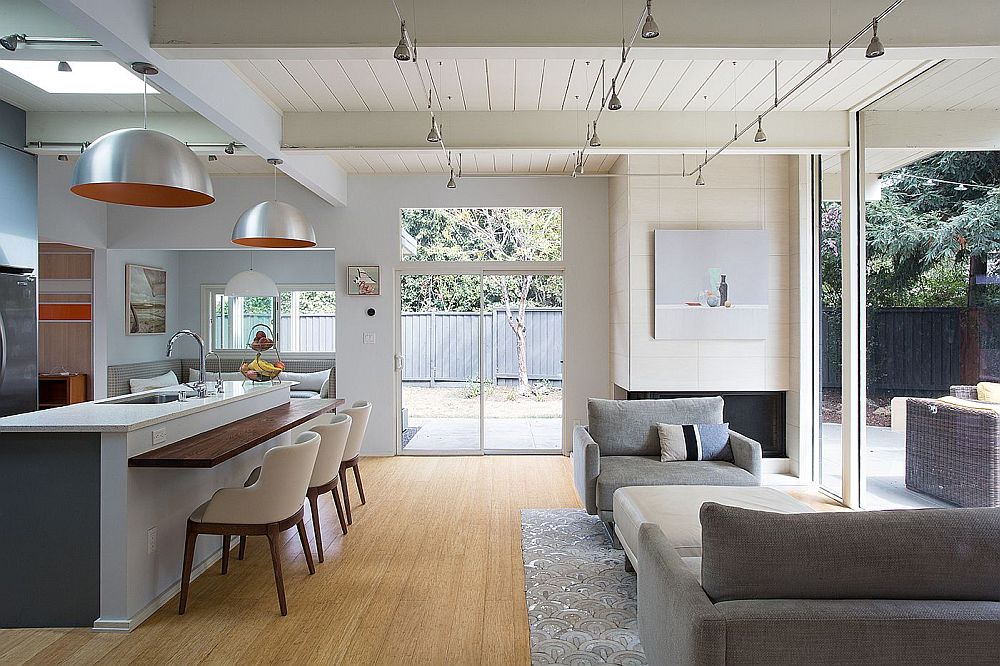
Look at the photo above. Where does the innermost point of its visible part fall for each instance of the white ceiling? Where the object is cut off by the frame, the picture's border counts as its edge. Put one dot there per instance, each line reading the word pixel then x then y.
pixel 952 85
pixel 20 93
pixel 880 160
pixel 434 161
pixel 554 84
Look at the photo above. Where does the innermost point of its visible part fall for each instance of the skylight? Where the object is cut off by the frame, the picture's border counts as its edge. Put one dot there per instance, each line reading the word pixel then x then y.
pixel 101 78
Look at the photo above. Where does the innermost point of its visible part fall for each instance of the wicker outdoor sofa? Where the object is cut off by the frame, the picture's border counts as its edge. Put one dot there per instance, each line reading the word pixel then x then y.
pixel 953 452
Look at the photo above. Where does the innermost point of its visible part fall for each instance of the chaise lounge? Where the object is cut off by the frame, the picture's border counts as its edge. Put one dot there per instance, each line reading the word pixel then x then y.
pixel 620 448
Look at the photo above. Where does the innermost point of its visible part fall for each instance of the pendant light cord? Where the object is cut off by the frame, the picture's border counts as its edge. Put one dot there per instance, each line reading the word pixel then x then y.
pixel 275 182
pixel 144 112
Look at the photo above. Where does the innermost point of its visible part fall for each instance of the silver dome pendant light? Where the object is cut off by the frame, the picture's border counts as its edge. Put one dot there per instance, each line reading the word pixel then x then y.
pixel 142 167
pixel 274 224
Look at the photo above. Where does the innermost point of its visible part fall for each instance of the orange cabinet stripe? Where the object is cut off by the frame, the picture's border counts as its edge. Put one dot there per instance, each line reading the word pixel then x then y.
pixel 64 311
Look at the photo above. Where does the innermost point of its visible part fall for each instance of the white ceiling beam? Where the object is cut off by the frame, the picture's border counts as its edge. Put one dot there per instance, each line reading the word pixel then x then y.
pixel 212 89
pixel 932 130
pixel 709 29
pixel 621 131
pixel 75 127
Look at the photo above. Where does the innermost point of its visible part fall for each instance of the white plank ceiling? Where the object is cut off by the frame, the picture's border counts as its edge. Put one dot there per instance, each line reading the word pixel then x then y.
pixel 880 160
pixel 556 84
pixel 434 161
pixel 952 85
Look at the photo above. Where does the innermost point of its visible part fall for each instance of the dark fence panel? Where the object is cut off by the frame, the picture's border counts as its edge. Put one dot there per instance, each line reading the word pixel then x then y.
pixel 918 351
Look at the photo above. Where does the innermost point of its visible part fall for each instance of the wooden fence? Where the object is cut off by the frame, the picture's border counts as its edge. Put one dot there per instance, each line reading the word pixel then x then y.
pixel 444 346
pixel 918 351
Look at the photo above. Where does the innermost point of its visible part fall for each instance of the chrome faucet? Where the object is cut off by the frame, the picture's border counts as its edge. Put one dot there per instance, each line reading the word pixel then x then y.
pixel 200 385
pixel 219 386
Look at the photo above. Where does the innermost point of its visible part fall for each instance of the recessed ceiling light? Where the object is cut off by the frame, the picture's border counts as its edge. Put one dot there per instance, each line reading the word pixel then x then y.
pixel 100 78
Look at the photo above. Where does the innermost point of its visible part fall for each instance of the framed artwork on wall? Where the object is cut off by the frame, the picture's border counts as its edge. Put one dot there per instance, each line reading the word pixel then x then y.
pixel 145 300
pixel 362 281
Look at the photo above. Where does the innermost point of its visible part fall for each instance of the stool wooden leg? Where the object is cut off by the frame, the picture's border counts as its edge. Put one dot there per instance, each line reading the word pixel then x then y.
pixel 313 497
pixel 340 509
pixel 243 548
pixel 301 526
pixel 272 539
pixel 347 497
pixel 189 542
pixel 225 554
pixel 357 479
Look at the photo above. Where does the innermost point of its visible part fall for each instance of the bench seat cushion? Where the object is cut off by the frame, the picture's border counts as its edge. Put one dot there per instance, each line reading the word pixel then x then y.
pixel 623 471
pixel 676 510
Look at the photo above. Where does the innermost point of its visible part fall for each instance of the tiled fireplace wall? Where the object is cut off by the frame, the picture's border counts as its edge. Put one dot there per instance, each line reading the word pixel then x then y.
pixel 743 192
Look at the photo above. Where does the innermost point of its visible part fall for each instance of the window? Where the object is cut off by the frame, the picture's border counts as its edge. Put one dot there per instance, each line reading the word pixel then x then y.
pixel 481 234
pixel 305 321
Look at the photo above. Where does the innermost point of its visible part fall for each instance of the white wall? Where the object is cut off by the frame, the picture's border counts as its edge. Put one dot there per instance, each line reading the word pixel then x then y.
pixel 124 348
pixel 743 192
pixel 64 217
pixel 217 266
pixel 367 232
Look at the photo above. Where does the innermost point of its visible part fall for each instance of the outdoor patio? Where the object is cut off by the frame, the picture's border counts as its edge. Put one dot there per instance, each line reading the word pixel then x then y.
pixel 458 434
pixel 884 465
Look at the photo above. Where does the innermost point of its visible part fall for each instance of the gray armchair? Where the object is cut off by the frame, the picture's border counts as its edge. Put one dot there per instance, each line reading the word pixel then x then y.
pixel 620 447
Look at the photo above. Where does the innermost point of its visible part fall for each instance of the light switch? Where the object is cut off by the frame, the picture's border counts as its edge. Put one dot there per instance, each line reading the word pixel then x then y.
pixel 368 337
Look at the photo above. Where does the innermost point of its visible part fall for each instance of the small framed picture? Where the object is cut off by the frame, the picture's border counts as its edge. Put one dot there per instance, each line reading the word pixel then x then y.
pixel 362 281
pixel 145 300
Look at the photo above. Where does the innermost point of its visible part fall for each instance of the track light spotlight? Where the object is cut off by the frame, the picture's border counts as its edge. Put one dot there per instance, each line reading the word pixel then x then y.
pixel 451 181
pixel 213 158
pixel 64 66
pixel 614 103
pixel 434 136
pixel 402 51
pixel 700 182
pixel 230 149
pixel 649 27
pixel 10 42
pixel 759 137
pixel 875 48
pixel 595 141
pixel 63 158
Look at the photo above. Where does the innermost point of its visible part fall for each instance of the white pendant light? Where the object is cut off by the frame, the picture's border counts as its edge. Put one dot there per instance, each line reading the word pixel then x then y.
pixel 251 283
pixel 142 167
pixel 274 223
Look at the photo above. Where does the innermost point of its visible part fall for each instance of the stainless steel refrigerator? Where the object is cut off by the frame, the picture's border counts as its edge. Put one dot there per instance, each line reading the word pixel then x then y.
pixel 18 341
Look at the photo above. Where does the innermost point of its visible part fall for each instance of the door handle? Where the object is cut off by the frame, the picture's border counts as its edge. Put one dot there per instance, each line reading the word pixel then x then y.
pixel 400 361
pixel 3 349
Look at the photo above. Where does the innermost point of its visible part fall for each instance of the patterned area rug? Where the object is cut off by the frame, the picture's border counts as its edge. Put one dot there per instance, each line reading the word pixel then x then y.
pixel 581 601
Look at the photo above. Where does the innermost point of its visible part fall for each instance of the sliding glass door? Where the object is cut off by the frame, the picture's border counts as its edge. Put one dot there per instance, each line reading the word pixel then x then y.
pixel 479 363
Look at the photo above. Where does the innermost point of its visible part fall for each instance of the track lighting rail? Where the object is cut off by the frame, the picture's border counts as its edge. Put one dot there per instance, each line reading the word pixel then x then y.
pixel 871 25
pixel 80 145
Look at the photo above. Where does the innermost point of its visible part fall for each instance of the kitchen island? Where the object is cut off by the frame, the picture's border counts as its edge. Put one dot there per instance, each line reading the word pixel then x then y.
pixel 96 496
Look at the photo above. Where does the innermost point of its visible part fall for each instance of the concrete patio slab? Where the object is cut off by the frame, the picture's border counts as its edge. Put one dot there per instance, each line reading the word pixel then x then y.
pixel 462 434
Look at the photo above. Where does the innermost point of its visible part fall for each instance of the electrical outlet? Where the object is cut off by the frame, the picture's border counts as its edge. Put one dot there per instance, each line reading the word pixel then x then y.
pixel 151 540
pixel 159 436
pixel 368 338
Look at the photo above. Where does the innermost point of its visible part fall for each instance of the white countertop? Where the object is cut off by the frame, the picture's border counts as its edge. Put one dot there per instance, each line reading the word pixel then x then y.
pixel 100 416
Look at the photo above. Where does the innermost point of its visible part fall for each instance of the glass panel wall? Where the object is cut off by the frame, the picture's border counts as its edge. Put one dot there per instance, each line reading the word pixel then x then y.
pixel 830 263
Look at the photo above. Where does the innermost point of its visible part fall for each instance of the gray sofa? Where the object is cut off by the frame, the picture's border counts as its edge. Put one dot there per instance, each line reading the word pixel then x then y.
pixel 880 587
pixel 620 447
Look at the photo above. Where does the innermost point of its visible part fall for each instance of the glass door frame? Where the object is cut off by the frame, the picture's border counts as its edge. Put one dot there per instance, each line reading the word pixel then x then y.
pixel 483 270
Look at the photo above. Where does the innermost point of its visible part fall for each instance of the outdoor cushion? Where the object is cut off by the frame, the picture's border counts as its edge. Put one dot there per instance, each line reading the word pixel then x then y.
pixel 623 471
pixel 628 427
pixel 988 391
pixel 925 554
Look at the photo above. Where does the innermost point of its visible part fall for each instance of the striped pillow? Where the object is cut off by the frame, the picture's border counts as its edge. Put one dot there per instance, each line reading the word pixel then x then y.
pixel 694 442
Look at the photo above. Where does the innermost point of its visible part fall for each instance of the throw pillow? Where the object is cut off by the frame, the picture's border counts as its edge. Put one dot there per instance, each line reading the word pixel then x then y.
pixel 694 442
pixel 988 391
pixel 308 381
pixel 146 383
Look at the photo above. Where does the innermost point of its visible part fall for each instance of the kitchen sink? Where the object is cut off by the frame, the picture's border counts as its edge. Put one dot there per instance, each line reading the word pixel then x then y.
pixel 148 399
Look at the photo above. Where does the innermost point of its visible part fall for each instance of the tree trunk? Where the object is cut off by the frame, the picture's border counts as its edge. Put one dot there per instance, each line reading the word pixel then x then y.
pixel 522 359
